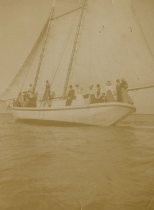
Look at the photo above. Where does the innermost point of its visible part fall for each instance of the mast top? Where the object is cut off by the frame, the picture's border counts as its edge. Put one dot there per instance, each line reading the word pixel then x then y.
pixel 44 45
pixel 74 48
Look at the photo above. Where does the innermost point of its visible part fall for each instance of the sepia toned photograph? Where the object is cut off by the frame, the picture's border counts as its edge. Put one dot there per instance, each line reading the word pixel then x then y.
pixel 76 104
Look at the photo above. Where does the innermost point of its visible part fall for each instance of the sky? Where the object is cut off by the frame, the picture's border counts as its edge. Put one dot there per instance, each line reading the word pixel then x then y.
pixel 20 23
pixel 22 20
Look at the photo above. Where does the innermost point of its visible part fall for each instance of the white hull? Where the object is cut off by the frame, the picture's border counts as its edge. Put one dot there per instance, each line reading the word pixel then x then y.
pixel 102 114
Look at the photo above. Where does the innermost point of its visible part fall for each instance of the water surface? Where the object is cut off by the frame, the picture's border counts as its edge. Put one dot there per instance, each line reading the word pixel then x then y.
pixel 74 168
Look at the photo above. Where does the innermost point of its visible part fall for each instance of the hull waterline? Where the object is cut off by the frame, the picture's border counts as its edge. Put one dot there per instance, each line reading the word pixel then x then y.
pixel 103 114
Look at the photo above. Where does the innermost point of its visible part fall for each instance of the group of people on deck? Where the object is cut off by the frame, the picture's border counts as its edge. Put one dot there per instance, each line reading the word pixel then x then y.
pixel 26 98
pixel 122 91
pixel 94 94
pixel 97 94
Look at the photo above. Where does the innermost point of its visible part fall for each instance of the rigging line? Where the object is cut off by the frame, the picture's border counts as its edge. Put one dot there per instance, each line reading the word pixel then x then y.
pixel 43 50
pixel 28 72
pixel 141 88
pixel 67 13
pixel 42 36
pixel 63 53
pixel 141 29
pixel 74 49
pixel 36 47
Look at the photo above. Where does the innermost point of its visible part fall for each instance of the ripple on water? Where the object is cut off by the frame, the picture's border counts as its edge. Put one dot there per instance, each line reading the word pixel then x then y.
pixel 88 168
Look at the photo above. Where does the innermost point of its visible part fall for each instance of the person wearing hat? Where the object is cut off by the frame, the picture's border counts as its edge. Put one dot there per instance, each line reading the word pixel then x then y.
pixel 98 94
pixel 124 92
pixel 109 97
pixel 119 90
pixel 47 94
pixel 91 94
pixel 70 96
pixel 79 99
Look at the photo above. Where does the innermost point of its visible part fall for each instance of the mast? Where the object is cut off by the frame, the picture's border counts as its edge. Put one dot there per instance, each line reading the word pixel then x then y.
pixel 44 46
pixel 74 48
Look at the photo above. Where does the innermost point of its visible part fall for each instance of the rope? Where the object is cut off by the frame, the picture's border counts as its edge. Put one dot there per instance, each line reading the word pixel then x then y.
pixel 63 54
pixel 74 48
pixel 43 50
pixel 67 13
pixel 141 88
pixel 142 32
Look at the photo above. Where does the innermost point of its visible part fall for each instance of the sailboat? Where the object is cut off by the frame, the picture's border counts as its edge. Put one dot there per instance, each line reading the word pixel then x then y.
pixel 63 56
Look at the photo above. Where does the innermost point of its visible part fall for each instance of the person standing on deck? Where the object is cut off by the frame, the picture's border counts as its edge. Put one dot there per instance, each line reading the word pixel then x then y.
pixel 79 100
pixel 109 97
pixel 70 96
pixel 77 90
pixel 98 94
pixel 91 94
pixel 124 91
pixel 47 94
pixel 119 90
pixel 30 93
pixel 19 101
